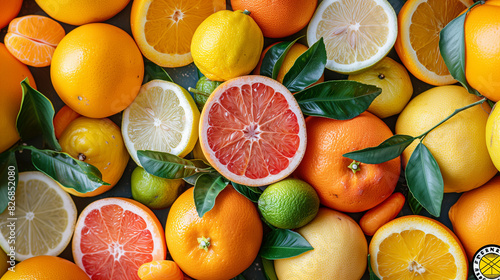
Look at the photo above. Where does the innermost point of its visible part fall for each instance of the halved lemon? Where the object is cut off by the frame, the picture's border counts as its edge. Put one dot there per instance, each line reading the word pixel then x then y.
pixel 163 117
pixel 416 247
pixel 42 220
pixel 357 33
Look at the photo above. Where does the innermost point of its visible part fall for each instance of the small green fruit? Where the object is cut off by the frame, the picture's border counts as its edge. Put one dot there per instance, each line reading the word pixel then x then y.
pixel 152 191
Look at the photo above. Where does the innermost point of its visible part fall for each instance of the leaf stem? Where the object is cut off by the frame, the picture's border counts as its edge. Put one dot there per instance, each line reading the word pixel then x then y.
pixel 195 91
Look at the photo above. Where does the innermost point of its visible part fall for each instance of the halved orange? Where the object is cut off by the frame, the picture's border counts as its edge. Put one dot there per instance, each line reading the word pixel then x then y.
pixel 252 130
pixel 417 44
pixel 163 29
pixel 33 39
pixel 417 247
pixel 115 236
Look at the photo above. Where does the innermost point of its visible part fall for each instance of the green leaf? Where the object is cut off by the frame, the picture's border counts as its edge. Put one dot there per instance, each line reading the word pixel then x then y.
pixel 155 72
pixel 387 150
pixel 307 69
pixel 36 116
pixel 9 176
pixel 415 207
pixel 283 243
pixel 192 179
pixel 273 59
pixel 170 166
pixel 269 271
pixel 206 189
pixel 252 193
pixel 69 172
pixel 452 48
pixel 425 180
pixel 373 276
pixel 341 100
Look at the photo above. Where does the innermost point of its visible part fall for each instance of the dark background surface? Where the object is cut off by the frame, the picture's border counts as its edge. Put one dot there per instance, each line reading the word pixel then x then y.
pixel 187 77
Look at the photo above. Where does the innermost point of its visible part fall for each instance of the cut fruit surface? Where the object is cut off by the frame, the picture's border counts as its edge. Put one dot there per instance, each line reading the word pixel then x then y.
pixel 419 24
pixel 115 236
pixel 357 33
pixel 163 29
pixel 163 117
pixel 44 218
pixel 252 130
pixel 416 247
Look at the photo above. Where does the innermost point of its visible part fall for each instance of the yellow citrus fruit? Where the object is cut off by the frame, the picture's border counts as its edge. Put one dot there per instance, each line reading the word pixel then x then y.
pixel 226 45
pixel 340 250
pixel 493 136
pixel 12 73
pixel 419 24
pixel 198 152
pixel 97 142
pixel 163 29
pixel 459 144
pixel 46 268
pixel 417 247
pixel 474 217
pixel 357 33
pixel 97 70
pixel 160 270
pixel 78 12
pixel 395 83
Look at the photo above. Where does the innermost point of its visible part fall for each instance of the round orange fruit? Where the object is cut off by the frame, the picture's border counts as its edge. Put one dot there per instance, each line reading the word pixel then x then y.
pixel 342 184
pixel 46 268
pixel 221 244
pixel 63 118
pixel 10 9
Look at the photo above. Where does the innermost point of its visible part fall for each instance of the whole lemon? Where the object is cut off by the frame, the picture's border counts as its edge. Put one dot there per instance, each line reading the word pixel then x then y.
pixel 226 45
pixel 493 136
pixel 459 144
pixel 97 70
pixel 340 250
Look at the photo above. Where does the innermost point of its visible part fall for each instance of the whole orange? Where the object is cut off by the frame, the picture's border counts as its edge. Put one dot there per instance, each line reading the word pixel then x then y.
pixel 482 49
pixel 46 268
pixel 12 73
pixel 221 244
pixel 10 9
pixel 341 184
pixel 63 118
pixel 278 19
pixel 475 217
pixel 97 70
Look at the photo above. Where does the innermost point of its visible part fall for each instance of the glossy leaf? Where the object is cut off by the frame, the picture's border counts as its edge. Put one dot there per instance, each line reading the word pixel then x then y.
pixel 273 59
pixel 415 207
pixel 9 176
pixel 338 99
pixel 36 116
pixel 387 150
pixel 283 243
pixel 207 188
pixel 192 179
pixel 373 276
pixel 307 68
pixel 452 48
pixel 425 180
pixel 252 193
pixel 269 270
pixel 170 166
pixel 155 72
pixel 69 172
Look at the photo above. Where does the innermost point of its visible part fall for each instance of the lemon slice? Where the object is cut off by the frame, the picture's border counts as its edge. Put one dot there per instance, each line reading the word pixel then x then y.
pixel 163 118
pixel 43 218
pixel 357 33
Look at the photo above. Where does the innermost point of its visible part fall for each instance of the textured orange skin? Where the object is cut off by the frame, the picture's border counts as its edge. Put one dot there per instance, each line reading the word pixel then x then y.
pixel 482 49
pixel 324 167
pixel 160 270
pixel 10 9
pixel 382 213
pixel 63 117
pixel 233 226
pixel 475 217
pixel 278 18
pixel 46 268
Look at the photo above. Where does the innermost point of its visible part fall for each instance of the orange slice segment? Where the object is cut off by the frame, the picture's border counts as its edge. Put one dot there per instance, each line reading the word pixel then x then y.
pixel 33 39
pixel 163 29
pixel 416 247
pixel 417 44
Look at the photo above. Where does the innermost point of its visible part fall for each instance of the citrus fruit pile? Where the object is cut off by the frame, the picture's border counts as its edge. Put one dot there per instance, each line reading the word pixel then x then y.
pixel 330 139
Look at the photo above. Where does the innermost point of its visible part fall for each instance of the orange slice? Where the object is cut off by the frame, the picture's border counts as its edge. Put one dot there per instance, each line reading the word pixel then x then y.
pixel 252 130
pixel 115 236
pixel 163 29
pixel 33 39
pixel 419 24
pixel 416 247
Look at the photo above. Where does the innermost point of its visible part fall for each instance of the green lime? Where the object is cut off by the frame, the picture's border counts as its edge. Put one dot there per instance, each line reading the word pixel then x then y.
pixel 290 203
pixel 206 86
pixel 152 191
